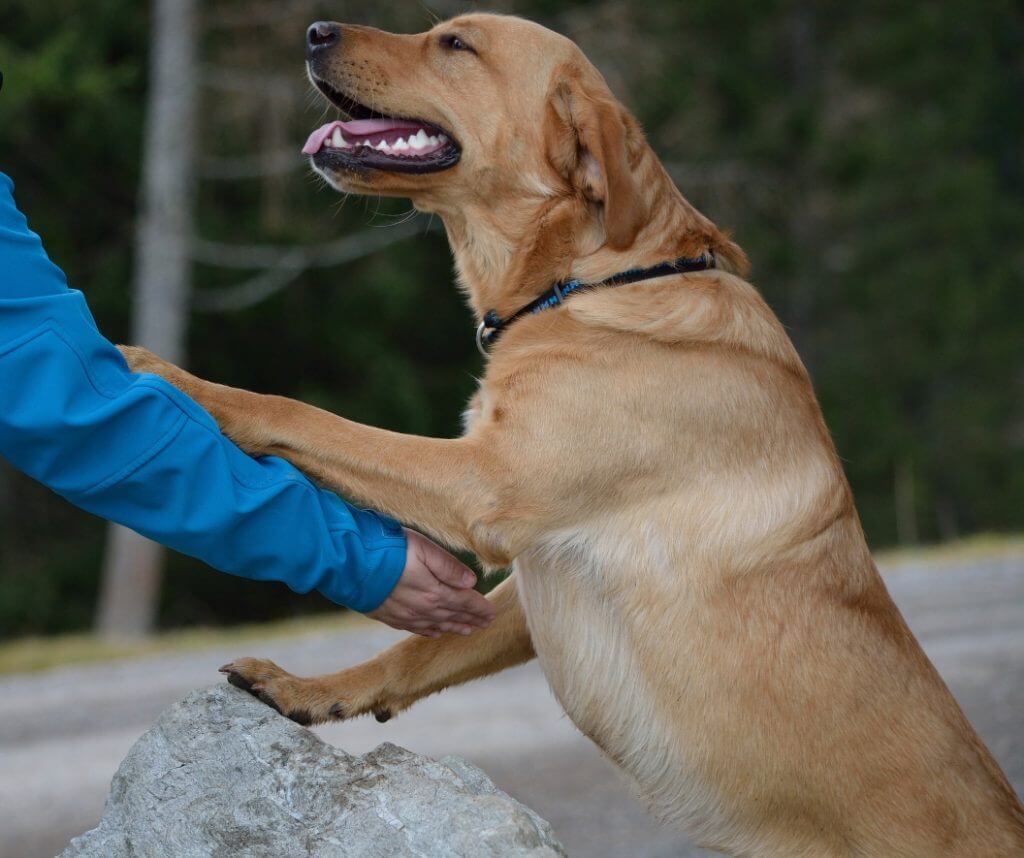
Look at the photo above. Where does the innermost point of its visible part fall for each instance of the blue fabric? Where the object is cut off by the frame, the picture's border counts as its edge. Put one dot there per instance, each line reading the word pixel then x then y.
pixel 134 449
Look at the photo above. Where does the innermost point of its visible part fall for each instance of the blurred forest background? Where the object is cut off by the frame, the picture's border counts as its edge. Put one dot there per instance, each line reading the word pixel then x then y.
pixel 868 157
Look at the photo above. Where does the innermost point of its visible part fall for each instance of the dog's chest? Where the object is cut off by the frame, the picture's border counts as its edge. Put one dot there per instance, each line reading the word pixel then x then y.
pixel 595 656
pixel 585 655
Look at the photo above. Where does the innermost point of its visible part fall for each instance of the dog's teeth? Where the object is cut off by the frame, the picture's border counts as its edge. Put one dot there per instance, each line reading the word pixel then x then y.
pixel 382 146
pixel 416 142
pixel 433 140
pixel 400 145
pixel 442 138
pixel 336 139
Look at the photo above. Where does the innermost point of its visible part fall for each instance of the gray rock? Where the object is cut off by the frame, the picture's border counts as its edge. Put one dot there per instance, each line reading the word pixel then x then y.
pixel 221 774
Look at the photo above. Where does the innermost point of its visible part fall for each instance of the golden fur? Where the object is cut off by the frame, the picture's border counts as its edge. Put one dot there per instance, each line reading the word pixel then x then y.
pixel 651 459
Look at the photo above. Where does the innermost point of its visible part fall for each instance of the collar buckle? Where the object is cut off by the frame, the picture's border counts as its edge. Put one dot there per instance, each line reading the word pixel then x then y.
pixel 491 322
pixel 480 333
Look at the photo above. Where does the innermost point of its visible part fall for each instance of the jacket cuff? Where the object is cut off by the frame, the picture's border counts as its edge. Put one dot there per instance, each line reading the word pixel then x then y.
pixel 382 553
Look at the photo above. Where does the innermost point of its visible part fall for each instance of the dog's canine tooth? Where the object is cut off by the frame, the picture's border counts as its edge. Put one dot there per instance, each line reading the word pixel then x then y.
pixel 337 140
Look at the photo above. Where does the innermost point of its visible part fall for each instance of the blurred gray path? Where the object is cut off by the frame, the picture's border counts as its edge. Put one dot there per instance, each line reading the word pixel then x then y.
pixel 62 733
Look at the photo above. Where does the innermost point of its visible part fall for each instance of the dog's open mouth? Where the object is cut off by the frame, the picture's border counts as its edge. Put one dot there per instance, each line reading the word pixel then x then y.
pixel 370 140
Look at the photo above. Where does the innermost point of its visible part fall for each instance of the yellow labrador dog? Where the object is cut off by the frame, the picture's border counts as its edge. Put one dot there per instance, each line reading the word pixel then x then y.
pixel 647 454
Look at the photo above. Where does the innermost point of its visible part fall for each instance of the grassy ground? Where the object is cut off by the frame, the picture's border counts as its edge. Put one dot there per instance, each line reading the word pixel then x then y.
pixel 983 546
pixel 35 654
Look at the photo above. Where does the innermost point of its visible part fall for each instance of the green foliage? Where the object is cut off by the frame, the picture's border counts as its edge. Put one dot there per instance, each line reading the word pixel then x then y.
pixel 867 156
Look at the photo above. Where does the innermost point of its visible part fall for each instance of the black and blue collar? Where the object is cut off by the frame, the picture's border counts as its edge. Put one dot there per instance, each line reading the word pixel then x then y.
pixel 493 325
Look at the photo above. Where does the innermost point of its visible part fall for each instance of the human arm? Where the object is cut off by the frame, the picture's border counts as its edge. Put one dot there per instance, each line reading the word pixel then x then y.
pixel 134 449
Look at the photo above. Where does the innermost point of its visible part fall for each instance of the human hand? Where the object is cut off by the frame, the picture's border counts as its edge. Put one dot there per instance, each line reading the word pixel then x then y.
pixel 435 593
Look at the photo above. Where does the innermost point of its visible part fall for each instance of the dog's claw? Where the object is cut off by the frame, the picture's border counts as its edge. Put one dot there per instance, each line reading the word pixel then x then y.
pixel 300 716
pixel 301 700
pixel 239 681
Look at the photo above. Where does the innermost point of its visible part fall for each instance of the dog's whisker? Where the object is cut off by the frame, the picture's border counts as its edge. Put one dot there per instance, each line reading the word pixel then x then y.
pixel 431 15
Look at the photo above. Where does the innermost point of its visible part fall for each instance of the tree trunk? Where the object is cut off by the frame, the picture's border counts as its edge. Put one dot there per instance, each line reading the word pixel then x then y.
pixel 6 501
pixel 905 502
pixel 130 589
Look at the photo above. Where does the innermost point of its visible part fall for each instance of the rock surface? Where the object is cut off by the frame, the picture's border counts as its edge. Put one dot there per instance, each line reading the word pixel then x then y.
pixel 221 774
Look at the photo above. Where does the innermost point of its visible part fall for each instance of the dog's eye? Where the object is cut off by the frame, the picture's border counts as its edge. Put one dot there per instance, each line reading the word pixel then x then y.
pixel 455 43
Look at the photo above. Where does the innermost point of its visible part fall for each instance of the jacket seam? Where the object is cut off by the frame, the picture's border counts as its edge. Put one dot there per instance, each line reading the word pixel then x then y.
pixel 141 460
pixel 51 325
pixel 140 380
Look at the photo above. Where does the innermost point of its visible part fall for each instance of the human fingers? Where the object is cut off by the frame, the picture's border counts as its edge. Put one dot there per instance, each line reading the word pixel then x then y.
pixel 446 568
pixel 471 603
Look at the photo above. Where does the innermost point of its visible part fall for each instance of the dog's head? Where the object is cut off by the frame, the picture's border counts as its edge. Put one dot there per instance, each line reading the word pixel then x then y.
pixel 482 108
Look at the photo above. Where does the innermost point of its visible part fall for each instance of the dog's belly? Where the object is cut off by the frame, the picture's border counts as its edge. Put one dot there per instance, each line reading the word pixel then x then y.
pixel 594 661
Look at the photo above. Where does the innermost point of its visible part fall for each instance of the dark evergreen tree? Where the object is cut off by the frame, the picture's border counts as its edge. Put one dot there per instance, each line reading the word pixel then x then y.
pixel 867 156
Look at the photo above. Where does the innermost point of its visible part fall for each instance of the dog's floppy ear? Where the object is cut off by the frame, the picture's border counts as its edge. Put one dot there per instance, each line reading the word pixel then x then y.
pixel 588 145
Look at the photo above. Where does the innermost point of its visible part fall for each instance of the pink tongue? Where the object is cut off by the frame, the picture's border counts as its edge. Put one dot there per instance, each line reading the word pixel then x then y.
pixel 355 128
pixel 362 127
pixel 316 139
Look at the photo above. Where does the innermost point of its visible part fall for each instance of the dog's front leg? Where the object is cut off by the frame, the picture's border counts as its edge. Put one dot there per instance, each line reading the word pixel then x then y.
pixel 399 676
pixel 448 487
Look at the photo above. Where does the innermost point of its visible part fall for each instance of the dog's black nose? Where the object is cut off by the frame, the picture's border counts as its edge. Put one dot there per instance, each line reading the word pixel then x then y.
pixel 322 35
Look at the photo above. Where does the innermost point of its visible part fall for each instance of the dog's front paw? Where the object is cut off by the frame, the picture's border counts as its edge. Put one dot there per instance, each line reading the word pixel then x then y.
pixel 338 697
pixel 289 695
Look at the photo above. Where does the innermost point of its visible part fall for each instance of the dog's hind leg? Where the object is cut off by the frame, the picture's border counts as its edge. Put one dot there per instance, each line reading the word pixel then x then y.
pixel 397 677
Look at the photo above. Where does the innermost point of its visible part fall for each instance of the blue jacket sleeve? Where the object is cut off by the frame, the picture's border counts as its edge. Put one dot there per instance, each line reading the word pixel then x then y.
pixel 134 449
